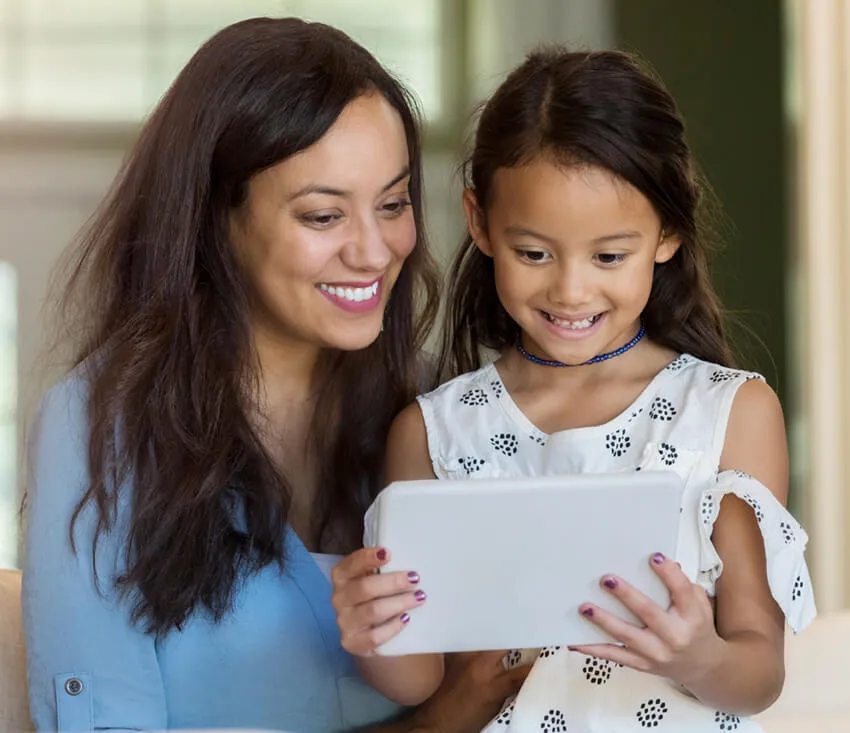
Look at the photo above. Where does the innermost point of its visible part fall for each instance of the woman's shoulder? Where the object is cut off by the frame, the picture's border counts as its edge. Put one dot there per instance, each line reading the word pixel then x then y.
pixel 62 412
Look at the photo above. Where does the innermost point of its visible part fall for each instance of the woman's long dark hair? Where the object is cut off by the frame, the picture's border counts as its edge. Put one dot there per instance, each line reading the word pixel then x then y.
pixel 165 345
pixel 588 109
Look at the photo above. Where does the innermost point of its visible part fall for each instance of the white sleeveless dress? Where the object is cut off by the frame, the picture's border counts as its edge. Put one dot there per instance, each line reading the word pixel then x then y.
pixel 678 422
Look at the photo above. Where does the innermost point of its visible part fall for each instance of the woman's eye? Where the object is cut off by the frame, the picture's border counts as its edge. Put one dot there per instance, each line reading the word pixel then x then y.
pixel 533 255
pixel 610 259
pixel 397 207
pixel 320 219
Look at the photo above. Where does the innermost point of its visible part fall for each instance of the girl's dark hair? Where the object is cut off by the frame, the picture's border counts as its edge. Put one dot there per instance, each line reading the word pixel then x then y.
pixel 165 343
pixel 588 109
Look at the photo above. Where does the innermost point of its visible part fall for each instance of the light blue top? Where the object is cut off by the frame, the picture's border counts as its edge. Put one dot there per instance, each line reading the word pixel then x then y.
pixel 275 662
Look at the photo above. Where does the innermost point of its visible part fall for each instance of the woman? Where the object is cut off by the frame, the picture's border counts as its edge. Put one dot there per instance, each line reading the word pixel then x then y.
pixel 253 294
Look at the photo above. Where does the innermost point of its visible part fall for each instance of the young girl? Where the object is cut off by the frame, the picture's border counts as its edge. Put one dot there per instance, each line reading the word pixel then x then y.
pixel 587 274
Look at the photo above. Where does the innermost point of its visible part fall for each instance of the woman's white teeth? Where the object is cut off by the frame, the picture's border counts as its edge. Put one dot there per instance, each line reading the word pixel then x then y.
pixel 575 325
pixel 353 294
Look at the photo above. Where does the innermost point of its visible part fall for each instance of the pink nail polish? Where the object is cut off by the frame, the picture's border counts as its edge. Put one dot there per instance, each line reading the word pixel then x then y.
pixel 587 612
pixel 610 583
pixel 413 577
pixel 658 558
pixel 420 595
pixel 405 617
pixel 382 554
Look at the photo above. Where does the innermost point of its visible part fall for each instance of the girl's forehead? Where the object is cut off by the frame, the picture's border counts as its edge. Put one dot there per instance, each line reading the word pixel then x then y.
pixel 545 190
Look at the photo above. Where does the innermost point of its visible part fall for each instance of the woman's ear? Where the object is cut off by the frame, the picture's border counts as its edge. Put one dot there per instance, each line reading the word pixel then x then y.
pixel 667 247
pixel 475 222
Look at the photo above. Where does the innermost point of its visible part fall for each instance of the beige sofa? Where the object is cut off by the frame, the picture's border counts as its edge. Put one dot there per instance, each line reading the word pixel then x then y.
pixel 14 707
pixel 817 683
pixel 816 695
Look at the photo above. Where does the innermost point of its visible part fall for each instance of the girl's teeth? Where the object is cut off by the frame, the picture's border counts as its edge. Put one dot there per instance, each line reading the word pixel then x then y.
pixel 355 295
pixel 573 325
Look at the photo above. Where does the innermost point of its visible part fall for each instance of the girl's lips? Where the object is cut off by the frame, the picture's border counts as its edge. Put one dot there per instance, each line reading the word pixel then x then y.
pixel 572 334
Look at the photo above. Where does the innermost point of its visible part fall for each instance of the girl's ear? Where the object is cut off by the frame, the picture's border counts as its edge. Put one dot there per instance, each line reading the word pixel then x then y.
pixel 667 247
pixel 475 222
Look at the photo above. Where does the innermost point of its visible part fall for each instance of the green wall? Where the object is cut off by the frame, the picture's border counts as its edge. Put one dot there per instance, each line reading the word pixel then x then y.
pixel 723 62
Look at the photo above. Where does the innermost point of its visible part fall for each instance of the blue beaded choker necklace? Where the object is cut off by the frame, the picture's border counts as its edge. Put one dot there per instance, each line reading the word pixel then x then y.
pixel 596 359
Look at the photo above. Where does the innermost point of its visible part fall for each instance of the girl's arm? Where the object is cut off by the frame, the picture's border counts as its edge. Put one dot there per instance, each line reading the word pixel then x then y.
pixel 370 607
pixel 749 671
pixel 731 657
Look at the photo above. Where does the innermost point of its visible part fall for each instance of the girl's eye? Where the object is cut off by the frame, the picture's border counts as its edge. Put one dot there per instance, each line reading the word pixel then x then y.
pixel 606 258
pixel 533 255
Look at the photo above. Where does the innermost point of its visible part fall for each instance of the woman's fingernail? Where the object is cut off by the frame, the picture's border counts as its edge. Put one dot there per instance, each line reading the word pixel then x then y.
pixel 610 583
pixel 658 558
pixel 420 595
pixel 587 612
pixel 413 577
pixel 405 617
pixel 382 554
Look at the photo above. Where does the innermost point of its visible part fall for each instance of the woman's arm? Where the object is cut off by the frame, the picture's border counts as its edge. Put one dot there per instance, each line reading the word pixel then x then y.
pixel 473 691
pixel 371 608
pixel 89 668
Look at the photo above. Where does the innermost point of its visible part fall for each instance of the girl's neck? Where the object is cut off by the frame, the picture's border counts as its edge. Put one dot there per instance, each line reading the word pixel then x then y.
pixel 643 360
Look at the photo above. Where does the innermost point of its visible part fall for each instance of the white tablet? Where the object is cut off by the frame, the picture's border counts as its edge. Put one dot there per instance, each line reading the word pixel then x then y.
pixel 507 562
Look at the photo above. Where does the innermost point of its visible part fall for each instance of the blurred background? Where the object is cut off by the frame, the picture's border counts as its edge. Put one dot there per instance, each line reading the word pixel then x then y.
pixel 764 86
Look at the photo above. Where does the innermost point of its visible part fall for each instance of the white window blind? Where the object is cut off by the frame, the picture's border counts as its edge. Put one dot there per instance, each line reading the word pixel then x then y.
pixel 110 60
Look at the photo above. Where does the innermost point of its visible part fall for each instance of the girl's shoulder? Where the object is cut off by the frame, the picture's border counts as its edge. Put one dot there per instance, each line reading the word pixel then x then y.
pixel 695 368
pixel 474 386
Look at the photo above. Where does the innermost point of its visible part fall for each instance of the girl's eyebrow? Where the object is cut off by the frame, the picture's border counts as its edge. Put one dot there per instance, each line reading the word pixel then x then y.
pixel 521 231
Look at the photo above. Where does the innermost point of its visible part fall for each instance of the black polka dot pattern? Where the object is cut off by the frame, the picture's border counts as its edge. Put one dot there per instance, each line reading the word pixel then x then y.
pixel 549 651
pixel 505 443
pixel 719 376
pixel 513 658
pixel 470 464
pixel 725 721
pixel 497 388
pixel 755 506
pixel 634 416
pixel 787 532
pixel 662 409
pixel 537 439
pixel 504 717
pixel 651 713
pixel 678 363
pixel 475 398
pixel 668 454
pixel 554 722
pixel 797 590
pixel 597 671
pixel 618 442
pixel 742 474
pixel 706 509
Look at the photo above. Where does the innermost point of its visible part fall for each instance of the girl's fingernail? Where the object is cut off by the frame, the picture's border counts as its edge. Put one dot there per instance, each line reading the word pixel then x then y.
pixel 405 617
pixel 610 583
pixel 413 577
pixel 382 554
pixel 572 648
pixel 587 612
pixel 420 595
pixel 658 558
